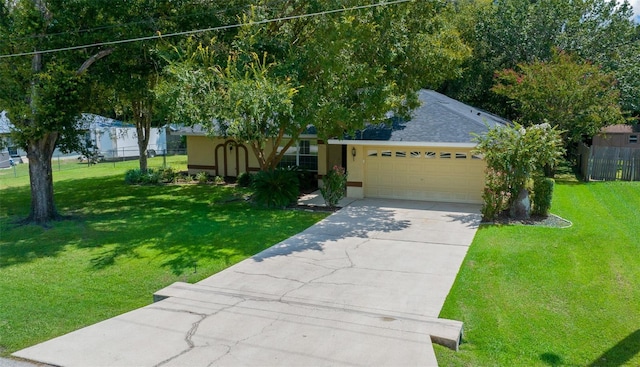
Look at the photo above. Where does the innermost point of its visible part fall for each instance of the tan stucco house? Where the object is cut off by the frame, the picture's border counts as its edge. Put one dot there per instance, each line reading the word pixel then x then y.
pixel 428 157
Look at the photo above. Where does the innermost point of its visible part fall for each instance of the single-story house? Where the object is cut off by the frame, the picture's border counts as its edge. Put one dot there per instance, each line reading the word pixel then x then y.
pixel 428 157
pixel 620 136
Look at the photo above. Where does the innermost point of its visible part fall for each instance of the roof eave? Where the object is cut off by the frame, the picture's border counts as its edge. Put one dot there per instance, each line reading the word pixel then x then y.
pixel 402 143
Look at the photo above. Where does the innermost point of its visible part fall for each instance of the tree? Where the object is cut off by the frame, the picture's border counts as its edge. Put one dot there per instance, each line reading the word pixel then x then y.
pixel 514 155
pixel 506 33
pixel 347 69
pixel 577 98
pixel 43 93
pixel 131 75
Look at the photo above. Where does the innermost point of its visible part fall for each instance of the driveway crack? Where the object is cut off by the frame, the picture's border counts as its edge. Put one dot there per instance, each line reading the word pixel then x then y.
pixel 188 338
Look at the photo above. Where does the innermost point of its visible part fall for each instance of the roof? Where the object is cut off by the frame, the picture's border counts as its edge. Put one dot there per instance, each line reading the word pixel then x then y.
pixel 5 124
pixel 621 128
pixel 439 119
pixel 199 130
pixel 92 121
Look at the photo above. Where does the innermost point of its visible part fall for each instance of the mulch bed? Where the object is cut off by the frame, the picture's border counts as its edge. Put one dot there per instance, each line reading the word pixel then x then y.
pixel 551 220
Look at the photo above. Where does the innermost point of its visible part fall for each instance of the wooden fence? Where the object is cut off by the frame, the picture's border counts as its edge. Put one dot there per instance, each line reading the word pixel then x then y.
pixel 610 163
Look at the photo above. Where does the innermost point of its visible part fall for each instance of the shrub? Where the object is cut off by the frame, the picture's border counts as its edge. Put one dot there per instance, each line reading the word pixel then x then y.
pixel 542 195
pixel 244 179
pixel 275 188
pixel 202 177
pixel 513 155
pixel 137 177
pixel 496 196
pixel 219 180
pixel 334 186
pixel 168 174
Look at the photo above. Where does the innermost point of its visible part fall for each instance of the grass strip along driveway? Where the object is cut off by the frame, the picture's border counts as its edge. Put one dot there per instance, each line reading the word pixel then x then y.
pixel 532 296
pixel 121 244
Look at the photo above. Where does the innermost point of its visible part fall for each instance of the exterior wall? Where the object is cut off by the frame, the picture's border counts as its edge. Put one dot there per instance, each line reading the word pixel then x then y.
pixel 201 155
pixel 220 157
pixel 621 140
pixel 329 155
pixel 356 169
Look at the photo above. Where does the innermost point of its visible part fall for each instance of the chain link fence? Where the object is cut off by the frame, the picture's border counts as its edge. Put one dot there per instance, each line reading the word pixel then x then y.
pixel 16 167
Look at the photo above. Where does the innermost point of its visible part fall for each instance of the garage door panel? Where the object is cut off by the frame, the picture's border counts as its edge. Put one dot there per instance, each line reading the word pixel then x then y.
pixel 414 176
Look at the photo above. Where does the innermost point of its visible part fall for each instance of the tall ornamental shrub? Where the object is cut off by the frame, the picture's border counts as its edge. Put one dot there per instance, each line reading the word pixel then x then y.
pixel 334 186
pixel 514 155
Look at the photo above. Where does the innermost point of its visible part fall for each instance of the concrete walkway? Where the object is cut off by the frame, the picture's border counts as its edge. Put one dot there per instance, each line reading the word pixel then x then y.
pixel 363 287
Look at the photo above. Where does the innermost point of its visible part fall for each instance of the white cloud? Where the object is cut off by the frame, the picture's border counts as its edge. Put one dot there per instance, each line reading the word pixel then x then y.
pixel 636 9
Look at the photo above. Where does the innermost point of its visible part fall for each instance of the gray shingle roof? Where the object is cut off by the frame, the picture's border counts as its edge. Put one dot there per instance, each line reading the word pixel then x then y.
pixel 439 119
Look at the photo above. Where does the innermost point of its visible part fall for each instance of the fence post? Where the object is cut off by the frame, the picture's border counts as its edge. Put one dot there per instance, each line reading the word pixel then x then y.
pixel 164 159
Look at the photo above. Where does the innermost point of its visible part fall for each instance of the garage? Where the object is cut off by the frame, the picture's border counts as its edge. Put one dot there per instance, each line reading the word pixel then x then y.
pixel 429 157
pixel 451 174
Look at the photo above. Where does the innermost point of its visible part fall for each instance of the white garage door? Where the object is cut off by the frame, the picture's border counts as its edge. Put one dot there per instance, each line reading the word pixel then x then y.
pixel 442 174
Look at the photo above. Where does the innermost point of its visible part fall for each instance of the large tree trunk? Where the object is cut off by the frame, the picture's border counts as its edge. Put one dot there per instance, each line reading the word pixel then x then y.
pixel 142 119
pixel 40 153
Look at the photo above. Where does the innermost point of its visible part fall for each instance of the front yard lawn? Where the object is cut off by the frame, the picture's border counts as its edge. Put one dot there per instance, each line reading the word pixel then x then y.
pixel 121 244
pixel 531 296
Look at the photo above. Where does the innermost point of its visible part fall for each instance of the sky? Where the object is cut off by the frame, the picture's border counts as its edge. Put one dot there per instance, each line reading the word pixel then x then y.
pixel 636 10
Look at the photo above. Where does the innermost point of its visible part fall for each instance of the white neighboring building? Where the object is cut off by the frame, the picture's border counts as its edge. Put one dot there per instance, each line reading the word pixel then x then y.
pixel 114 139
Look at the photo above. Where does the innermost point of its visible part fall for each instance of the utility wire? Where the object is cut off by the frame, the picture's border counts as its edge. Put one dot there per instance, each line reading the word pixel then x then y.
pixel 124 25
pixel 219 28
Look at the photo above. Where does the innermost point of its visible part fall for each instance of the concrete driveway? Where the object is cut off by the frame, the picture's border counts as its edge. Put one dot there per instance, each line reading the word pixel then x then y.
pixel 363 287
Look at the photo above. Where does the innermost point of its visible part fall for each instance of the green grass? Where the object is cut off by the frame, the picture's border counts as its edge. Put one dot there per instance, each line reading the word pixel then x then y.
pixel 121 244
pixel 532 296
pixel 72 169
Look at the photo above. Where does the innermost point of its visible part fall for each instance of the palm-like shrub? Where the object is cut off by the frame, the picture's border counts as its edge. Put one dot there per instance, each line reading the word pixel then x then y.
pixel 275 188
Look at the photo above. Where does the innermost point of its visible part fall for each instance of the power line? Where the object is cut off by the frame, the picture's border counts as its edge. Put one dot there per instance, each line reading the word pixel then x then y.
pixel 203 30
pixel 123 25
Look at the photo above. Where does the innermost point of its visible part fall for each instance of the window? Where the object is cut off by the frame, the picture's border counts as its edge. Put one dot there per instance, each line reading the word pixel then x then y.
pixel 305 147
pixel 401 154
pixel 372 153
pixel 303 155
pixel 460 155
pixel 430 155
pixel 477 156
pixel 445 155
pixel 416 154
pixel 386 153
pixel 633 139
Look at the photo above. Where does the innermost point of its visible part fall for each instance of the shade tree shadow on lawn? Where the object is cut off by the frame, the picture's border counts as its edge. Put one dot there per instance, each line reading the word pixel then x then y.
pixel 621 353
pixel 184 232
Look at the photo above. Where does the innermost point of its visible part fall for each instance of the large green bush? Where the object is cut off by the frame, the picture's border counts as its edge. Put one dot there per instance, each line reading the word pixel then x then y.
pixel 276 188
pixel 514 155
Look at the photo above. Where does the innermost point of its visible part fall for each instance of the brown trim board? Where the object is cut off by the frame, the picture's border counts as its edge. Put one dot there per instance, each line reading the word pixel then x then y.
pixel 199 166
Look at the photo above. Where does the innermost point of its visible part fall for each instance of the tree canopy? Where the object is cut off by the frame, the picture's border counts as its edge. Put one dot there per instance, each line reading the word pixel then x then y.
pixel 574 96
pixel 506 33
pixel 347 69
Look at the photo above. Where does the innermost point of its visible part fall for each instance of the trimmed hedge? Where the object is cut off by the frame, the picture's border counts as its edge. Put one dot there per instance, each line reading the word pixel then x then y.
pixel 542 195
